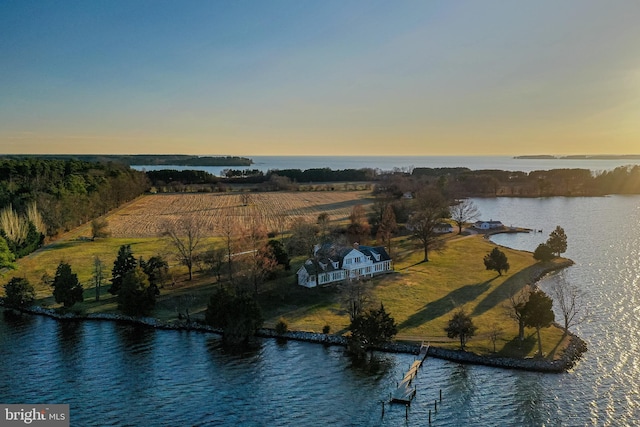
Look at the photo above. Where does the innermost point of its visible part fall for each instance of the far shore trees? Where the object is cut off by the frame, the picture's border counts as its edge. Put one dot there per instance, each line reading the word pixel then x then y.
pixel 496 260
pixel 431 208
pixel 19 293
pixel 464 211
pixel 66 287
pixel 537 313
pixel 461 326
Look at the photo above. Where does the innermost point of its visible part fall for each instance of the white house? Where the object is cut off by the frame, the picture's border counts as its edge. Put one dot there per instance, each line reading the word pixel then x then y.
pixel 488 225
pixel 331 264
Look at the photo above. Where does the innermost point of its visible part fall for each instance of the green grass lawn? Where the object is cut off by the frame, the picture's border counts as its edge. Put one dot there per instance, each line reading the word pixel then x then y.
pixel 421 296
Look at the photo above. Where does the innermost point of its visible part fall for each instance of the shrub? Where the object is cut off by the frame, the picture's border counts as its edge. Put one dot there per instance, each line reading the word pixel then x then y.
pixel 282 327
pixel 326 329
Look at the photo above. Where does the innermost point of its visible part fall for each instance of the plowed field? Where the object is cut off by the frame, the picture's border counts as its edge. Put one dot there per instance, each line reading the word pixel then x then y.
pixel 149 215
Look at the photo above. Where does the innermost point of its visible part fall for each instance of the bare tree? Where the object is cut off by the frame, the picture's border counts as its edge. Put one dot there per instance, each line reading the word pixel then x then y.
pixel 228 229
pixel 431 208
pixel 569 299
pixel 463 211
pixel 387 227
pixel 356 296
pixel 185 236
pixel 494 333
pixel 323 226
pixel 260 255
pixel 98 275
pixel 246 198
pixel 515 305
pixel 359 228
pixel 99 228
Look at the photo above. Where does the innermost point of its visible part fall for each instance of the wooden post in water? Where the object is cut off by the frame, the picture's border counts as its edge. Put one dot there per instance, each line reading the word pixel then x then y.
pixel 440 395
pixel 406 411
pixel 382 401
pixel 435 406
pixel 429 416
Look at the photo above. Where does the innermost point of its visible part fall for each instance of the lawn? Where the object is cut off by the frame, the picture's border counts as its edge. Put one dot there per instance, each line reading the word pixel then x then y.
pixel 421 296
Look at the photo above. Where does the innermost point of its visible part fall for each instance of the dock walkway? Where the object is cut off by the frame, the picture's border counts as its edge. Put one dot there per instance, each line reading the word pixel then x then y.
pixel 405 392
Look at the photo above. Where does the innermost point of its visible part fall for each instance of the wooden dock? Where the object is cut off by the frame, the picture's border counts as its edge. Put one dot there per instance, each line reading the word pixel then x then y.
pixel 405 392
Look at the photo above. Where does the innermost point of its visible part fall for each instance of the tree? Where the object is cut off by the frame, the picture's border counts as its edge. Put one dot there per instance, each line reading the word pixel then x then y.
pixel 431 209
pixel 227 227
pixel 124 263
pixel 99 228
pixel 358 228
pixel 261 261
pixel 97 275
pixel 19 293
pixel 543 253
pixel 537 313
pixel 279 254
pixel 387 227
pixel 461 325
pixel 7 257
pixel 136 297
pixel 185 237
pixel 238 315
pixel 517 301
pixel 494 333
pixel 557 241
pixel 303 237
pixel 496 260
pixel 355 296
pixel 323 226
pixel 569 299
pixel 215 259
pixel 66 287
pixel 464 211
pixel 156 270
pixel 373 328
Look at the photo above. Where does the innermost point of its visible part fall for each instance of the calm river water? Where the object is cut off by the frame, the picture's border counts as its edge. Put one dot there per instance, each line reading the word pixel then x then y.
pixel 117 375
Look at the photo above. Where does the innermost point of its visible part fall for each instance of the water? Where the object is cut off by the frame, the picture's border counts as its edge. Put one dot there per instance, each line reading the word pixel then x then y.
pixel 407 163
pixel 122 375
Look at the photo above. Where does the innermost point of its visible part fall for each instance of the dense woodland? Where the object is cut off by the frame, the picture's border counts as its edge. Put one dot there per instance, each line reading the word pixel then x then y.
pixel 452 182
pixel 49 196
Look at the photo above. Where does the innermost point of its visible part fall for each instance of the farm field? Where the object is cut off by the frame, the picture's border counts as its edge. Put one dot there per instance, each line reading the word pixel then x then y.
pixel 148 215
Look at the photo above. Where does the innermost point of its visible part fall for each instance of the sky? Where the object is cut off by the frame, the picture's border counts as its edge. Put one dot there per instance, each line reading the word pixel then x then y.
pixel 301 77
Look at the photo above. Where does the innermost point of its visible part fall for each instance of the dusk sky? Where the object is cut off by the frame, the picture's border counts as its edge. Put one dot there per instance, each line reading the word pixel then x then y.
pixel 320 77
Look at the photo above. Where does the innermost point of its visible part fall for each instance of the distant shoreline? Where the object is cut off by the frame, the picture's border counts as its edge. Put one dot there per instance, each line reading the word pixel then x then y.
pixel 581 157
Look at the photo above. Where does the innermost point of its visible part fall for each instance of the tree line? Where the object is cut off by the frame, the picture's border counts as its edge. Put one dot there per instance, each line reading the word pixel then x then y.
pixel 457 182
pixel 40 197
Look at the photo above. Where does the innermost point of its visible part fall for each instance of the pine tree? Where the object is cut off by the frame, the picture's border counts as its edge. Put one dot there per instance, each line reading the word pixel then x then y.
pixel 66 287
pixel 124 263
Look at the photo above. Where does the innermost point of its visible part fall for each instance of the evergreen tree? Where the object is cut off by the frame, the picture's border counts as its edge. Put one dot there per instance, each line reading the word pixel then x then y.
pixel 238 315
pixel 66 287
pixel 19 293
pixel 557 241
pixel 124 263
pixel 496 260
pixel 538 313
pixel 461 325
pixel 543 253
pixel 372 329
pixel 7 257
pixel 136 296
